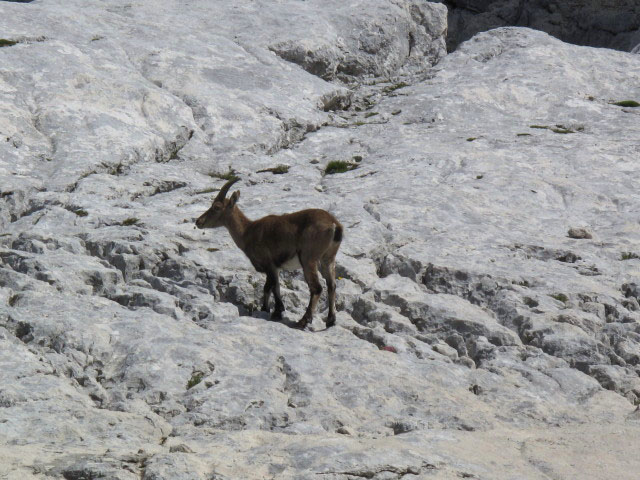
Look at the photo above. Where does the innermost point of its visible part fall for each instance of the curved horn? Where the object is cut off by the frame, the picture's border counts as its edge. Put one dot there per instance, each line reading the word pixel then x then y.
pixel 225 188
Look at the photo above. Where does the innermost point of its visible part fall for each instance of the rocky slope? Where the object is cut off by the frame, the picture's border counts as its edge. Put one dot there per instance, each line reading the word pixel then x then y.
pixel 609 23
pixel 489 324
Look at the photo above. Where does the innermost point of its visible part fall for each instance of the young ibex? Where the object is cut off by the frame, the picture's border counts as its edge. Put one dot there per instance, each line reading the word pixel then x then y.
pixel 308 239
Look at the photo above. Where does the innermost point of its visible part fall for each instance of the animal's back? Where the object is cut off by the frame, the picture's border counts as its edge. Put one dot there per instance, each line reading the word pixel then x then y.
pixel 311 216
pixel 280 235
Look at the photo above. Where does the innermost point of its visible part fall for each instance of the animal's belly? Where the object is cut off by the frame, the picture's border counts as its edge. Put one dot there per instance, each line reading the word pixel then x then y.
pixel 291 264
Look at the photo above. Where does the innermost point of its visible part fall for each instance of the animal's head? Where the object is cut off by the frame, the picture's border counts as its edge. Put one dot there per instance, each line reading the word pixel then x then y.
pixel 220 209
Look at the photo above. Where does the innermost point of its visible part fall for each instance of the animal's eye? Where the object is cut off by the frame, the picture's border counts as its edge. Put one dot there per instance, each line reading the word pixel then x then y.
pixel 217 208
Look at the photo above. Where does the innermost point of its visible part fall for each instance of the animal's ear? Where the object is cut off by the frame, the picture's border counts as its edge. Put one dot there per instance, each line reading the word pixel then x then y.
pixel 234 198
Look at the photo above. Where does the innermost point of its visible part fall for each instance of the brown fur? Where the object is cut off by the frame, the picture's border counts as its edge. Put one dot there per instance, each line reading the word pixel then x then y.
pixel 312 235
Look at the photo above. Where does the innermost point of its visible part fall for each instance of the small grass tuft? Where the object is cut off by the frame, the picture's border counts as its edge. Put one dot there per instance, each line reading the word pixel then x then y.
pixel 523 134
pixel 561 297
pixel 228 175
pixel 394 87
pixel 7 43
pixel 561 129
pixel 370 114
pixel 556 129
pixel 471 139
pixel 629 256
pixel 396 112
pixel 207 190
pixel 339 166
pixel 195 379
pixel 212 249
pixel 13 299
pixel 81 212
pixel 277 170
pixel 627 103
pixel 130 221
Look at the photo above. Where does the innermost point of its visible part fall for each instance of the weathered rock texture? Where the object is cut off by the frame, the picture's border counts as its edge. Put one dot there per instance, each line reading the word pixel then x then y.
pixel 489 324
pixel 610 23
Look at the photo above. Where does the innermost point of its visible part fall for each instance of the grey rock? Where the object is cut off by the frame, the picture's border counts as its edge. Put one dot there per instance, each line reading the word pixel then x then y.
pixel 345 43
pixel 446 350
pixel 126 334
pixel 178 466
pixel 579 233
pixel 566 341
pixel 619 379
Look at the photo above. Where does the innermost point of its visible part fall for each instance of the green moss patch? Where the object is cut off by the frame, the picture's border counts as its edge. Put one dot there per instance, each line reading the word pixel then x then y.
pixel 557 129
pixel 627 103
pixel 7 43
pixel 130 221
pixel 561 297
pixel 228 175
pixel 394 87
pixel 195 379
pixel 339 166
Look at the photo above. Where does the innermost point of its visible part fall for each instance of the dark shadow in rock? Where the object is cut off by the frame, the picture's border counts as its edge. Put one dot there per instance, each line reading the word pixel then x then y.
pixel 580 22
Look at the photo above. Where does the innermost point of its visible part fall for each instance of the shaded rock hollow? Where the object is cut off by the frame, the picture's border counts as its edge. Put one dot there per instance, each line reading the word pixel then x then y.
pixel 611 24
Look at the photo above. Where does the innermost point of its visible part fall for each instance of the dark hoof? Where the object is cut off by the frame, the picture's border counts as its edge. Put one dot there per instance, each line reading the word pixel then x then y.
pixel 330 322
pixel 276 316
pixel 301 325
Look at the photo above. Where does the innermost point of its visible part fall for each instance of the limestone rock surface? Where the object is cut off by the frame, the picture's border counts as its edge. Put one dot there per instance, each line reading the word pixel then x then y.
pixel 475 337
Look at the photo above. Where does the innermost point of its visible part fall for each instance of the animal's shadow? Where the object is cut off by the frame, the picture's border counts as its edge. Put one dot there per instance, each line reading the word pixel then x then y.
pixel 266 316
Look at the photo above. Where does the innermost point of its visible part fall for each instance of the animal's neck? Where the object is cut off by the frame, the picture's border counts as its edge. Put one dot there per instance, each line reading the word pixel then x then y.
pixel 237 224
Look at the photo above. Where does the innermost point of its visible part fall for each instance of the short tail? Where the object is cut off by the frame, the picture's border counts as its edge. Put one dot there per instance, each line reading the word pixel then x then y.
pixel 337 234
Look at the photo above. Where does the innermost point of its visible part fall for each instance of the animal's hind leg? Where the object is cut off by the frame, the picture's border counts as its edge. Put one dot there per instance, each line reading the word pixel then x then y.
pixel 328 271
pixel 310 268
pixel 268 286
pixel 277 312
pixel 273 285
